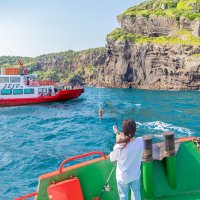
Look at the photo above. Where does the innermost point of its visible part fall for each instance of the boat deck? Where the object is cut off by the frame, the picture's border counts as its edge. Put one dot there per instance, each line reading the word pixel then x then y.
pixel 94 173
pixel 185 196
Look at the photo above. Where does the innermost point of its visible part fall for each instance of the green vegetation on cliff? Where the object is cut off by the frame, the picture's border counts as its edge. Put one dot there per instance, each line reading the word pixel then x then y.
pixel 65 65
pixel 196 55
pixel 170 8
pixel 60 66
pixel 12 61
pixel 121 35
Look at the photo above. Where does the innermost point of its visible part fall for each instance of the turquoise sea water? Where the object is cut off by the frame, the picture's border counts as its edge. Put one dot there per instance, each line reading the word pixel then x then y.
pixel 35 139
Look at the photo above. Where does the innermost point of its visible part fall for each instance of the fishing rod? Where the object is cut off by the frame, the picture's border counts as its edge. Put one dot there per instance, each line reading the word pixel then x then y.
pixel 106 187
pixel 116 122
pixel 115 127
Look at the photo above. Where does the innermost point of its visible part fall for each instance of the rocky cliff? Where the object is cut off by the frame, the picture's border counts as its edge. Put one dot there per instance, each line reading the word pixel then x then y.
pixel 157 47
pixel 63 66
pixel 152 66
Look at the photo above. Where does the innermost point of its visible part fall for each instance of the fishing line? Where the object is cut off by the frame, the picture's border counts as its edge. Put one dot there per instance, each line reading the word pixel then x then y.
pixel 100 106
pixel 99 92
pixel 115 118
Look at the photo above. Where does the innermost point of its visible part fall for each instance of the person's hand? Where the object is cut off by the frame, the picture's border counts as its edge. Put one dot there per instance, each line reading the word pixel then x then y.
pixel 115 129
pixel 120 136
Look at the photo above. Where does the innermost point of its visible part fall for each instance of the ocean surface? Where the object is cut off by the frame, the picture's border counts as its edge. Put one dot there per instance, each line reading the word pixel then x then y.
pixel 36 139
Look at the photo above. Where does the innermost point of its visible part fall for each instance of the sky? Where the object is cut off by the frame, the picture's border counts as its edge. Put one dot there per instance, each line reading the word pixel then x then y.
pixel 36 27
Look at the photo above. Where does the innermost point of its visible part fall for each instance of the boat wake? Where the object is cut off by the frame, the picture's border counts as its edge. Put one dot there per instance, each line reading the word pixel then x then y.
pixel 157 127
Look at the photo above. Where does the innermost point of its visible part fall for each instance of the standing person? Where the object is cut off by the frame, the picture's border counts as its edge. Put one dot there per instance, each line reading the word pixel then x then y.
pixel 27 81
pixel 128 152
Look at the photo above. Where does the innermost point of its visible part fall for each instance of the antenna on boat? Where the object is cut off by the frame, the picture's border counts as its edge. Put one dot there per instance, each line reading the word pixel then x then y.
pixel 25 71
pixel 116 122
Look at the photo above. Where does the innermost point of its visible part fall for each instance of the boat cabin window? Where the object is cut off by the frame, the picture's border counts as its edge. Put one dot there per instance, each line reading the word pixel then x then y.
pixel 4 79
pixel 15 79
pixel 29 91
pixel 18 91
pixel 42 90
pixel 6 92
pixel 61 87
pixel 32 78
pixel 39 90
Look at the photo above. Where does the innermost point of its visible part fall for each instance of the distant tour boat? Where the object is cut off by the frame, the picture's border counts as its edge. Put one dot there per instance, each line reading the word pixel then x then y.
pixel 18 87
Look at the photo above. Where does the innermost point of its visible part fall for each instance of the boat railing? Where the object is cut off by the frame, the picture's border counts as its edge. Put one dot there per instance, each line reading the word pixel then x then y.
pixel 34 194
pixel 80 156
pixel 46 82
pixel 39 83
pixel 77 87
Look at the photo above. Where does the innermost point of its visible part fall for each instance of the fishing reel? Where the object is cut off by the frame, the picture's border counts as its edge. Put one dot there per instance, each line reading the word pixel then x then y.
pixel 197 141
pixel 107 188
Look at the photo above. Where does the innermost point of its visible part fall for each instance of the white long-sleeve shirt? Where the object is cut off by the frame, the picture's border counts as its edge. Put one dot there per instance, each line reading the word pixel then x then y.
pixel 128 160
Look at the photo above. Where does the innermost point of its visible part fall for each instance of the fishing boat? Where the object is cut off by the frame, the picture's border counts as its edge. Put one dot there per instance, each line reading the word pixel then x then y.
pixel 18 87
pixel 170 170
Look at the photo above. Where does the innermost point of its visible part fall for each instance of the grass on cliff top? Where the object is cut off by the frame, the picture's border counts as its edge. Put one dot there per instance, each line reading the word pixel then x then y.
pixel 196 55
pixel 68 55
pixel 169 8
pixel 121 35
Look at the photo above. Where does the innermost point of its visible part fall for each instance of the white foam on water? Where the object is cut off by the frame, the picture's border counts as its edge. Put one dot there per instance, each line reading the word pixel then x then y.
pixel 127 104
pixel 138 104
pixel 162 126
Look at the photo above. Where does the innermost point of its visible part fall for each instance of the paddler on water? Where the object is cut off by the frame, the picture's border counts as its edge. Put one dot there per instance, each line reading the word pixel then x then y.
pixel 100 113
